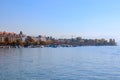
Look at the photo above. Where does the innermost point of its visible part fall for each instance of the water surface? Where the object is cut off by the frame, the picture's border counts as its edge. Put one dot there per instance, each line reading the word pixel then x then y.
pixel 79 63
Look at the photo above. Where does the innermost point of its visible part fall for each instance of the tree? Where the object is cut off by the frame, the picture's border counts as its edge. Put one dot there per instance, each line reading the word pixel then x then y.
pixel 7 41
pixel 43 43
pixel 36 43
pixel 19 42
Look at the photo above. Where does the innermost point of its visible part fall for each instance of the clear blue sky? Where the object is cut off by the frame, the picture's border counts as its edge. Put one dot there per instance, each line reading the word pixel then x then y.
pixel 88 18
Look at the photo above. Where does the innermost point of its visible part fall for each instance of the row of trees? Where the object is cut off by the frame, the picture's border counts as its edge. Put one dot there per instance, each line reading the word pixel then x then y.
pixel 85 42
pixel 73 41
pixel 29 41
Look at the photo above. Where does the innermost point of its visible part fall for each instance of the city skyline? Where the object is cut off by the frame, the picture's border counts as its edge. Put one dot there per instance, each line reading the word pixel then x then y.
pixel 11 39
pixel 85 18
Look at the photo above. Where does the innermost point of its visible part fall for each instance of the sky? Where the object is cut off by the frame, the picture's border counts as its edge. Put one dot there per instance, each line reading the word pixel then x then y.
pixel 62 18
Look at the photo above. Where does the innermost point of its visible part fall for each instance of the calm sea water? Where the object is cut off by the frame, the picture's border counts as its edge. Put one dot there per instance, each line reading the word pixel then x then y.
pixel 79 63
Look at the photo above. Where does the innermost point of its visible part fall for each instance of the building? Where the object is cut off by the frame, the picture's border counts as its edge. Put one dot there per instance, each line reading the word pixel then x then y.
pixel 10 36
pixel 42 38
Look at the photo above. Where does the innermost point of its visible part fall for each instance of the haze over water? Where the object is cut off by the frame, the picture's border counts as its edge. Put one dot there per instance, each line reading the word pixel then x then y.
pixel 79 63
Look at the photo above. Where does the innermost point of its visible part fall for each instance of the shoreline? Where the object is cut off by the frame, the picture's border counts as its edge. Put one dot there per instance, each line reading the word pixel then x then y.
pixel 54 46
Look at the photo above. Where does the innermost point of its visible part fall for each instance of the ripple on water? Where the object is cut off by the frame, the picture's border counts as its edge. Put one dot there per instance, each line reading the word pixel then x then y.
pixel 80 63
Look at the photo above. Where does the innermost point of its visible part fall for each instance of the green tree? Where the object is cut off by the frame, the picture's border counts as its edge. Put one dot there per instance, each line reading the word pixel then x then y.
pixel 7 41
pixel 43 43
pixel 19 42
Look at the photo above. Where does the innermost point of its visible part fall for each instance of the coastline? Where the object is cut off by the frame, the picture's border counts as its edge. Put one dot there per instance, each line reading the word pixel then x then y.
pixel 52 46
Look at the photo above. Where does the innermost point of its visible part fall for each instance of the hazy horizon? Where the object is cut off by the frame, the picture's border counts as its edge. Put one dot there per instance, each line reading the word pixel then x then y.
pixel 61 18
